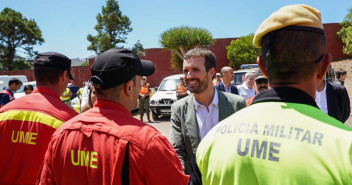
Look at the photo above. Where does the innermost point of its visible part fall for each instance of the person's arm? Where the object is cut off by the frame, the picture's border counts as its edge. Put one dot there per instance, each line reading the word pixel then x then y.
pixel 346 107
pixel 177 139
pixel 46 175
pixel 4 99
pixel 161 163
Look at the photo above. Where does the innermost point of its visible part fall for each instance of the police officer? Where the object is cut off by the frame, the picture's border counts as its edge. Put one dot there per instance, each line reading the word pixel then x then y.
pixel 181 89
pixel 144 99
pixel 26 125
pixel 106 145
pixel 289 140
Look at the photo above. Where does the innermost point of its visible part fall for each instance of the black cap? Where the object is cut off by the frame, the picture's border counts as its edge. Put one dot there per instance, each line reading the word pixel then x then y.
pixel 53 59
pixel 117 66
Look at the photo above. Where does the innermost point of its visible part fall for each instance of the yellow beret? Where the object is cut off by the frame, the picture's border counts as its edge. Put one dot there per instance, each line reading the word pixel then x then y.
pixel 291 15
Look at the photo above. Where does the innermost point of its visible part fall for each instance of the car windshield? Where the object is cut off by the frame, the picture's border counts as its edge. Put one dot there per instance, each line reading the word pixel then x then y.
pixel 169 85
pixel 238 78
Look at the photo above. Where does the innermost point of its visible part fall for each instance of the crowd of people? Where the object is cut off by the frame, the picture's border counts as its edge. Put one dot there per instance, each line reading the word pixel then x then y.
pixel 283 125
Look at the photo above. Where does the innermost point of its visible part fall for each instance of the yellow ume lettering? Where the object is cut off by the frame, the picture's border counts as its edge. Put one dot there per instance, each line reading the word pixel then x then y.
pixel 24 137
pixel 83 157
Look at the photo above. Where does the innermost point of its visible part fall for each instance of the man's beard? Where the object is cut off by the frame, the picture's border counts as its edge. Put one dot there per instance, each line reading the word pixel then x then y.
pixel 203 85
pixel 262 88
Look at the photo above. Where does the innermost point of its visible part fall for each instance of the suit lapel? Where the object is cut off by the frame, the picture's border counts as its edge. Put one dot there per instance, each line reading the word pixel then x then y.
pixel 330 99
pixel 225 108
pixel 191 123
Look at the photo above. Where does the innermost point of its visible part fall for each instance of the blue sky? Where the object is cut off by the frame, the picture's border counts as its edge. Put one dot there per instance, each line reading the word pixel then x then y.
pixel 65 24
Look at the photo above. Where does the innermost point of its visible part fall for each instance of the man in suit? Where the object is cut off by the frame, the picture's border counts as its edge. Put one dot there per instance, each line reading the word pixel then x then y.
pixel 340 77
pixel 333 99
pixel 193 116
pixel 225 85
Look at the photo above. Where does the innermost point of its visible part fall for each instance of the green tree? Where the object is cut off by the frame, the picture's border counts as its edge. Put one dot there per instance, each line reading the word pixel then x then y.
pixel 138 48
pixel 17 32
pixel 242 51
pixel 345 33
pixel 181 39
pixel 112 27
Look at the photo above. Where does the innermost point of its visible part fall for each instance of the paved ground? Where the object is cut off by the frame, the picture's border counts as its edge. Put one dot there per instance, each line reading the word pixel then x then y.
pixel 163 124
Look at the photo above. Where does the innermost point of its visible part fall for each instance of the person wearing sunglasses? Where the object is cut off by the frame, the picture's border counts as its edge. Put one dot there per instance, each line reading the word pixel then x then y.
pixel 261 84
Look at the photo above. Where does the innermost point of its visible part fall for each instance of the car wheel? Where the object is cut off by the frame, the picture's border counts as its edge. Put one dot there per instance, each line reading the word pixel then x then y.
pixel 155 116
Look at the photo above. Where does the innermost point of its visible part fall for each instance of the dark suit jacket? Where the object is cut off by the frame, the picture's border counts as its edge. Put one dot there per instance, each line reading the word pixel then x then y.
pixel 221 87
pixel 338 102
pixel 185 132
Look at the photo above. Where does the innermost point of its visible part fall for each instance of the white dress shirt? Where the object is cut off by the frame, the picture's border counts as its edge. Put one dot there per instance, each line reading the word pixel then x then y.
pixel 207 120
pixel 245 92
pixel 321 100
pixel 227 89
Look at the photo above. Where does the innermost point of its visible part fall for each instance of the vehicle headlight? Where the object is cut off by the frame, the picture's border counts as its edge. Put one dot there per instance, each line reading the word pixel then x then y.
pixel 152 102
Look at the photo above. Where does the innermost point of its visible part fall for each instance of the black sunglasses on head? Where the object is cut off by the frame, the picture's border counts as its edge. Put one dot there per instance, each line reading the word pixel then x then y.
pixel 262 80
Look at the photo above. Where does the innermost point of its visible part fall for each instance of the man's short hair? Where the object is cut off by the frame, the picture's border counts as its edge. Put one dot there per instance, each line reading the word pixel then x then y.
pixel 224 69
pixel 290 56
pixel 340 72
pixel 46 74
pixel 249 73
pixel 14 81
pixel 209 57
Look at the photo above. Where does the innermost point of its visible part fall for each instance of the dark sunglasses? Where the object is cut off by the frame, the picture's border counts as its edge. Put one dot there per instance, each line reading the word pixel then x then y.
pixel 262 80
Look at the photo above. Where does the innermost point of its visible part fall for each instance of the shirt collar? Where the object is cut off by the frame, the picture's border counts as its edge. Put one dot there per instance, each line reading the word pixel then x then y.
pixel 323 89
pixel 285 94
pixel 45 90
pixel 110 105
pixel 214 102
pixel 245 85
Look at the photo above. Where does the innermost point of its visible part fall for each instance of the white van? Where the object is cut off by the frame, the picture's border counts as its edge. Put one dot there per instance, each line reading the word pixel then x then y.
pixel 160 103
pixel 4 80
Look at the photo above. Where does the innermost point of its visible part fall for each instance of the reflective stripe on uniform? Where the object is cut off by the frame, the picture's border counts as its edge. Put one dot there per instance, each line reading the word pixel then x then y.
pixel 31 116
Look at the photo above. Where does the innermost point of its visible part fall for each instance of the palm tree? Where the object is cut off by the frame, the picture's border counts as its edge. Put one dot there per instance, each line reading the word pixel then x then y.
pixel 181 39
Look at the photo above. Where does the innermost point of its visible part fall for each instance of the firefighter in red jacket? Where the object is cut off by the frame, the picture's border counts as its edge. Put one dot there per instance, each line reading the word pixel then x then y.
pixel 27 124
pixel 106 145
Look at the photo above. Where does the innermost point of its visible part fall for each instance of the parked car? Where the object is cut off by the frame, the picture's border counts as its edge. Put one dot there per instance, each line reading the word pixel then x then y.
pixel 160 103
pixel 239 74
pixel 20 93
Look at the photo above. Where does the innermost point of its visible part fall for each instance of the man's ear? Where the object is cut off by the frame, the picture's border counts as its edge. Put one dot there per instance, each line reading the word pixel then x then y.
pixel 212 72
pixel 64 76
pixel 261 65
pixel 128 87
pixel 323 66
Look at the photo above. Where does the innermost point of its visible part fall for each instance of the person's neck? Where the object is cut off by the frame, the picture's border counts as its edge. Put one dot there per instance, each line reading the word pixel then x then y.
pixel 206 97
pixel 227 83
pixel 248 86
pixel 124 101
pixel 321 86
pixel 308 87
pixel 11 89
pixel 53 87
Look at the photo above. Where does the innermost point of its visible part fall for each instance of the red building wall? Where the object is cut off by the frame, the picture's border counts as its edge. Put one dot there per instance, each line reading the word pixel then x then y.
pixel 162 58
pixel 333 45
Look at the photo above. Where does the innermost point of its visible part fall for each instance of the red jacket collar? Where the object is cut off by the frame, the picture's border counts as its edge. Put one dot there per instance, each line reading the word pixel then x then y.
pixel 44 90
pixel 109 105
